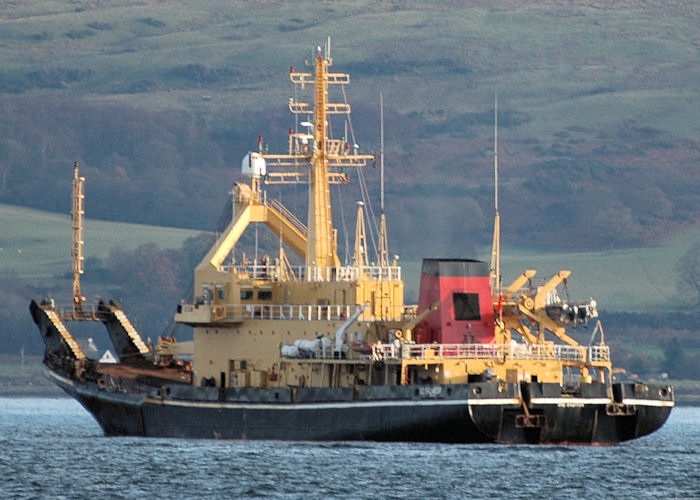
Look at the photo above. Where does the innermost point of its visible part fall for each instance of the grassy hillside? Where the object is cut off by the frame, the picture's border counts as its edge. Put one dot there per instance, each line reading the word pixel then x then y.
pixel 563 66
pixel 598 131
pixel 148 272
pixel 634 280
pixel 598 124
pixel 37 244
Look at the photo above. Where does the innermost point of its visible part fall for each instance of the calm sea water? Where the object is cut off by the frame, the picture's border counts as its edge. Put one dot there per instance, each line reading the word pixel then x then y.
pixel 52 448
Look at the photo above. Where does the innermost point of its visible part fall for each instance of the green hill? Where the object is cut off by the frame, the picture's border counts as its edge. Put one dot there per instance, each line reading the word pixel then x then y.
pixel 638 280
pixel 146 268
pixel 160 100
pixel 37 245
pixel 598 129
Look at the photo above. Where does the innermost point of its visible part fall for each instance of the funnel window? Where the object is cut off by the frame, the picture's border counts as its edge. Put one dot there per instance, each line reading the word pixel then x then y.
pixel 466 306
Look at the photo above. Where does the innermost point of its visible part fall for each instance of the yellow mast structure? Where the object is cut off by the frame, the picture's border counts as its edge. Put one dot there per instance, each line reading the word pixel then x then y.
pixel 77 248
pixel 323 158
pixel 314 158
pixel 321 246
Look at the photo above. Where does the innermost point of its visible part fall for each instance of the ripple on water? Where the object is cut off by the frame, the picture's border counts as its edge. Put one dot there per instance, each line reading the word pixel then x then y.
pixel 53 448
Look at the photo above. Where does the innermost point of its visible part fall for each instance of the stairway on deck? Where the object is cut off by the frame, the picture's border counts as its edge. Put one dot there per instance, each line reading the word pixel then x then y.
pixel 64 333
pixel 130 330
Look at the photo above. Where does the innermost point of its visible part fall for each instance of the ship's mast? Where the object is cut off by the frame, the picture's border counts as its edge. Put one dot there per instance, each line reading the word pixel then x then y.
pixel 383 239
pixel 321 245
pixel 360 255
pixel 496 246
pixel 325 158
pixel 77 248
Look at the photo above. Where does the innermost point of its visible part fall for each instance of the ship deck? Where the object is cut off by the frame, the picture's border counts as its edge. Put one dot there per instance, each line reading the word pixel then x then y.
pixel 175 375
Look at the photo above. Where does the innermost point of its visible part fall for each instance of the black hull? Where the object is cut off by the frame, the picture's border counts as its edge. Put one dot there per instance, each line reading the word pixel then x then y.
pixel 550 415
pixel 449 414
pixel 122 414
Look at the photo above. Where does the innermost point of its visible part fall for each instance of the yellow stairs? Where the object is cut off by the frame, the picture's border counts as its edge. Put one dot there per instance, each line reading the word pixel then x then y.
pixel 130 330
pixel 64 333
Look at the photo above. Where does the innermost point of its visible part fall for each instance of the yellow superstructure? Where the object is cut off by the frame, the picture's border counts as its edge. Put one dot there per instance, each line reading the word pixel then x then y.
pixel 268 323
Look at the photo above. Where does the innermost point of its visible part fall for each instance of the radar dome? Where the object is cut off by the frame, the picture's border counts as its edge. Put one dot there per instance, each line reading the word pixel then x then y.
pixel 253 164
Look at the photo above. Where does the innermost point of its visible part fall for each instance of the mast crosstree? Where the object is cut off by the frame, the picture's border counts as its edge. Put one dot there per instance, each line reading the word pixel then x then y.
pixel 324 157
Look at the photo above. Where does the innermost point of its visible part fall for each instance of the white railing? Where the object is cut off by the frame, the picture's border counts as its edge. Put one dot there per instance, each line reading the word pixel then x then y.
pixel 308 312
pixel 207 313
pixel 262 271
pixel 599 353
pixel 536 352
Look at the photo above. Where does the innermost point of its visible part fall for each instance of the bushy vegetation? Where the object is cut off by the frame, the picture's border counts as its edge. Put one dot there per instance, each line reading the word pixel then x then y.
pixel 150 281
pixel 147 281
pixel 653 345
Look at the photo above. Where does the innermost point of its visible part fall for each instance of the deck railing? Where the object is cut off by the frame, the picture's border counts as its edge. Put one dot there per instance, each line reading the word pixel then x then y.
pixel 434 352
pixel 87 311
pixel 309 312
pixel 537 352
pixel 264 271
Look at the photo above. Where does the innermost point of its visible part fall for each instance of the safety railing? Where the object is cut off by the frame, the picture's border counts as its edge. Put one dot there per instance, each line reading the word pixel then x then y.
pixel 536 352
pixel 308 312
pixel 268 271
pixel 287 214
pixel 206 313
pixel 86 312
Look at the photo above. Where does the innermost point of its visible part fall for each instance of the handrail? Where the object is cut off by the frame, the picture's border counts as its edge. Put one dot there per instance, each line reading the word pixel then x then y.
pixel 436 352
pixel 307 312
pixel 68 312
pixel 293 219
pixel 257 271
pixel 539 352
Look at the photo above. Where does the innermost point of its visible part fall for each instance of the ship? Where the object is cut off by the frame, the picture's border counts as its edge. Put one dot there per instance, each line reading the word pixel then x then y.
pixel 305 346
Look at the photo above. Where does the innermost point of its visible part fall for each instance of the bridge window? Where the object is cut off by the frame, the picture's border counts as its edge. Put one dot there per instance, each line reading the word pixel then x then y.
pixel 246 294
pixel 264 295
pixel 466 306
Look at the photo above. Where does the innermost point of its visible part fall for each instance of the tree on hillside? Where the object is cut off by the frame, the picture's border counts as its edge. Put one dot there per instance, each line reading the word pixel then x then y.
pixel 151 281
pixel 688 269
pixel 675 361
pixel 17 331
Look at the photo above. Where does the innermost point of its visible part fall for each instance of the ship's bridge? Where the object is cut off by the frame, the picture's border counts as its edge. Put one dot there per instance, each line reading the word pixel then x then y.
pixel 272 289
pixel 322 288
